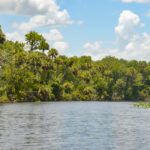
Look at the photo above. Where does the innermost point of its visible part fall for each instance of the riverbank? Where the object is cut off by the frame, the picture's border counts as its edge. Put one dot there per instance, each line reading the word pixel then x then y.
pixel 4 99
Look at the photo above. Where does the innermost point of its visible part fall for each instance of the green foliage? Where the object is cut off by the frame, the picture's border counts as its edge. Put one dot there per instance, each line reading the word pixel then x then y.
pixel 4 99
pixel 35 76
pixel 36 41
pixel 2 36
pixel 119 89
pixel 143 105
pixel 43 45
pixel 53 53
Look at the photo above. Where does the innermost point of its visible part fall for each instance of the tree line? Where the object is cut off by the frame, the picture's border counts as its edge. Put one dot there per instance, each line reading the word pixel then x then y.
pixel 35 75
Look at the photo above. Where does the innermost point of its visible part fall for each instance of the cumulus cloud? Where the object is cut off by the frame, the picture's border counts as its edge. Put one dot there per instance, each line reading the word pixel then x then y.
pixel 130 45
pixel 125 29
pixel 138 1
pixel 58 19
pixel 137 48
pixel 97 51
pixel 29 7
pixel 127 21
pixel 41 13
pixel 15 36
pixel 56 38
pixel 61 46
pixel 94 47
pixel 53 35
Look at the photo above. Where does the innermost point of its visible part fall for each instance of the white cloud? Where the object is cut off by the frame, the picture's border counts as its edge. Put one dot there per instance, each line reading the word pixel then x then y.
pixel 97 51
pixel 58 19
pixel 137 48
pixel 41 13
pixel 61 46
pixel 53 35
pixel 125 29
pixel 96 57
pixel 127 21
pixel 29 7
pixel 138 1
pixel 94 47
pixel 130 45
pixel 56 37
pixel 15 36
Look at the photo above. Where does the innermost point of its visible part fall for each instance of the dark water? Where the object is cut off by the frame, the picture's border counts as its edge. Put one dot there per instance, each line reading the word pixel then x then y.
pixel 74 126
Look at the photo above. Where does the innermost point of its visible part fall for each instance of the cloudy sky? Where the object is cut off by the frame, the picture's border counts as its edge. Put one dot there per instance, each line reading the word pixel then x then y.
pixel 97 28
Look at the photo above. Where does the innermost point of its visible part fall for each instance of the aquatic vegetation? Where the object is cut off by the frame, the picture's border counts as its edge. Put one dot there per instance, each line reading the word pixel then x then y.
pixel 143 105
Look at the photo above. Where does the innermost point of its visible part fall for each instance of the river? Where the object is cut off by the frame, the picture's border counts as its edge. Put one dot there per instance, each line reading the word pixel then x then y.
pixel 74 126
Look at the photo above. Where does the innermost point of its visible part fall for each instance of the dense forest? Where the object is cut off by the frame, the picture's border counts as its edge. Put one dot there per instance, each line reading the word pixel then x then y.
pixel 41 74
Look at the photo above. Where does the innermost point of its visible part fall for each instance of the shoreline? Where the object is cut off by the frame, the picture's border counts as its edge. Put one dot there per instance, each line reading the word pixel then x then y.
pixel 123 101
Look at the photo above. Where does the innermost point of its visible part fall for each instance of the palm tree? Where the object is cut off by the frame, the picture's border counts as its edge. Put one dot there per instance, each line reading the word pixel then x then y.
pixel 43 45
pixel 53 53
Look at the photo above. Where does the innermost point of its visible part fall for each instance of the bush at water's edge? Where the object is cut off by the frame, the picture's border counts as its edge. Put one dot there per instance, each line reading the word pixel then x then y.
pixel 142 105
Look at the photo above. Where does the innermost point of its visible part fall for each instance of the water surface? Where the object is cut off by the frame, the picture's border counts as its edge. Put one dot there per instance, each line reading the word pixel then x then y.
pixel 74 126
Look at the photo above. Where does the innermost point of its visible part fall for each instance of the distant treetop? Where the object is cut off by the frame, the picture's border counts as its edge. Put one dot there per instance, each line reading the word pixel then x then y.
pixel 2 36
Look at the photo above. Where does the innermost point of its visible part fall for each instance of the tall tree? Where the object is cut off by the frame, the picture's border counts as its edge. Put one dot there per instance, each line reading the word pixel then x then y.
pixel 33 39
pixel 43 45
pixel 53 53
pixel 2 36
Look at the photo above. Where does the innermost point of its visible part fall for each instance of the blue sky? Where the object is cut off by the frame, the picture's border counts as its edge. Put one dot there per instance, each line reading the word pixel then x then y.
pixel 119 28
